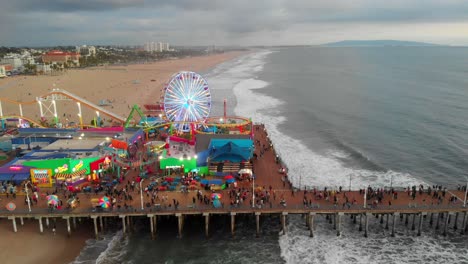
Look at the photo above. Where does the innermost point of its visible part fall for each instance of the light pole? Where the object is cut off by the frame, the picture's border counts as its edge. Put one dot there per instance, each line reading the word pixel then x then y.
pixel 141 194
pixel 27 195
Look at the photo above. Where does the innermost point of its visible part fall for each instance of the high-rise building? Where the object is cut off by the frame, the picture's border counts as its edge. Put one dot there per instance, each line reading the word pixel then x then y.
pixel 156 46
pixel 166 46
pixel 86 50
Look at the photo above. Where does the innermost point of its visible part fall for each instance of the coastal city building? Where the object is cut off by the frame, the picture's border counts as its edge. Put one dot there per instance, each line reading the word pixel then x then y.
pixel 43 68
pixel 2 71
pixel 14 60
pixel 156 46
pixel 61 57
pixel 86 51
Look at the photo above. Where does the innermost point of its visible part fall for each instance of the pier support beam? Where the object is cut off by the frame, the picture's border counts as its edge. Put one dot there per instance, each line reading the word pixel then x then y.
pixel 74 223
pixel 47 222
pixel 124 229
pixel 464 223
pixel 41 227
pixel 354 218
pixel 414 219
pixel 420 223
pixel 180 222
pixel 233 223
pixel 437 221
pixel 360 222
pixel 406 219
pixel 151 222
pixel 101 224
pixel 96 232
pixel 430 218
pixel 207 224
pixel 21 221
pixel 386 222
pixel 257 223
pixel 366 219
pixel 13 220
pixel 338 228
pixel 334 221
pixel 447 220
pixel 68 225
pixel 395 215
pixel 455 222
pixel 311 224
pixel 381 218
pixel 283 221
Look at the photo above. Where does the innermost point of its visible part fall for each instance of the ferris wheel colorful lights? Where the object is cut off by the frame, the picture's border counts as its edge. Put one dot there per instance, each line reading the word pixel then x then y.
pixel 187 98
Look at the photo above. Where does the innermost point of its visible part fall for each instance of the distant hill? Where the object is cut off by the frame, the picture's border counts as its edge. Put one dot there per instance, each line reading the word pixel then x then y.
pixel 377 43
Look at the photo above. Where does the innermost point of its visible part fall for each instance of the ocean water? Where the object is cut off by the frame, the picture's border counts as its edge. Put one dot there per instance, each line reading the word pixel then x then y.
pixel 337 116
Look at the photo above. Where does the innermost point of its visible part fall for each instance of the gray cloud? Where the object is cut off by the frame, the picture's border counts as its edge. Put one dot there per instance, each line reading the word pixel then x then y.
pixel 220 21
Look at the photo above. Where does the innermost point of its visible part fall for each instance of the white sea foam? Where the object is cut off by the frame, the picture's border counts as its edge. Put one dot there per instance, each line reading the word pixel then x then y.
pixel 110 249
pixel 325 169
pixel 306 167
pixel 326 247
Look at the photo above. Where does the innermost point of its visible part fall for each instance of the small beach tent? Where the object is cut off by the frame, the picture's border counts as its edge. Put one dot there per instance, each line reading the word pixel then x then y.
pixel 232 150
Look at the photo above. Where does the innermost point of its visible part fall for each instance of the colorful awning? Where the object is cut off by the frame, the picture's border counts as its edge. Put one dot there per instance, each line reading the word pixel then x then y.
pixel 63 176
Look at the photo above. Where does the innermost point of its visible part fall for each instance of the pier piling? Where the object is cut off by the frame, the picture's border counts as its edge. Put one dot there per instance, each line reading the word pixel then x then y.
pixel 412 225
pixel 150 217
pixel 420 223
pixel 455 222
pixel 360 222
pixel 437 221
pixel 101 224
pixel 366 220
pixel 96 232
pixel 67 218
pixel 21 221
pixel 257 222
pixel 207 224
pixel 447 220
pixel 311 224
pixel 283 221
pixel 233 222
pixel 338 228
pixel 395 215
pixel 406 219
pixel 180 223
pixel 464 223
pixel 124 229
pixel 13 220
pixel 41 228
pixel 430 219
pixel 386 222
pixel 381 218
pixel 74 223
pixel 47 222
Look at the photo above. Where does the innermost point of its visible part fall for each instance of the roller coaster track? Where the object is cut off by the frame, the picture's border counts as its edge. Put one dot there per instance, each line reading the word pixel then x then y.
pixel 23 118
pixel 58 93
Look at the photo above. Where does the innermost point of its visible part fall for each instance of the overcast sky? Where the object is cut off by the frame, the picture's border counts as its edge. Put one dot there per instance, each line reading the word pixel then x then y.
pixel 230 22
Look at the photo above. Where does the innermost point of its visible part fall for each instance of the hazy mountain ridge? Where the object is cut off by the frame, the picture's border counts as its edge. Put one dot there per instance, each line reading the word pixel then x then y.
pixel 378 43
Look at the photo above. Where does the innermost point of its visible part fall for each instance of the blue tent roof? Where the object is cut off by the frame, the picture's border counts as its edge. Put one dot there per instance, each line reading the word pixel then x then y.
pixel 233 150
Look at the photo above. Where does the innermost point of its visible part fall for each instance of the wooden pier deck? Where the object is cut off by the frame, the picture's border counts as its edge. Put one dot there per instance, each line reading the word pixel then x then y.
pixel 268 178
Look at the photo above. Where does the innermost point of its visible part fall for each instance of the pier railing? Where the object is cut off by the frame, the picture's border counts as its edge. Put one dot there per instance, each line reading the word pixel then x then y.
pixel 273 208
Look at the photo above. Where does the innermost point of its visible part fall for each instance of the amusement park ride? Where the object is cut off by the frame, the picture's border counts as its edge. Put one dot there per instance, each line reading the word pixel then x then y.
pixel 184 107
pixel 183 112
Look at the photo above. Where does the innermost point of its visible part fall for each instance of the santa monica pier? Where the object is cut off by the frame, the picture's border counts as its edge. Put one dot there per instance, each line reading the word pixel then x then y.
pixel 173 159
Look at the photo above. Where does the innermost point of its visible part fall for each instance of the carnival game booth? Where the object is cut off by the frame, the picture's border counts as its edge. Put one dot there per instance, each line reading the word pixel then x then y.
pixel 65 170
pixel 227 156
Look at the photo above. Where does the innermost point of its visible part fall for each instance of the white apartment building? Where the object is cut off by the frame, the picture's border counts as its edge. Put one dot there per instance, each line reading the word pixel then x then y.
pixel 86 51
pixel 14 60
pixel 156 46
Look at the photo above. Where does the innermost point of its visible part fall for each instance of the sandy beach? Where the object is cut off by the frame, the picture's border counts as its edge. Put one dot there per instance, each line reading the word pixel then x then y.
pixel 124 86
pixel 29 246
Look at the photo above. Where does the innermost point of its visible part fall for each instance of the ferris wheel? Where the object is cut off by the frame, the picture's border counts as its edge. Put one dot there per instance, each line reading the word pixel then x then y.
pixel 186 99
